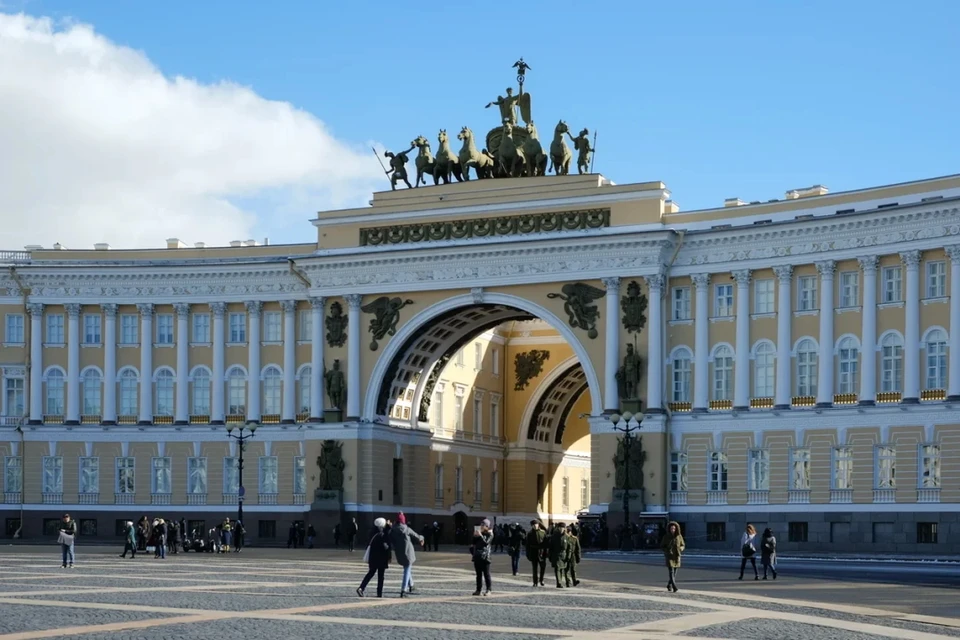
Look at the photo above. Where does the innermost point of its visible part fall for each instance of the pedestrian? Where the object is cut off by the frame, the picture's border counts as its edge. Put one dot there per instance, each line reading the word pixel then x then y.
pixel 352 530
pixel 437 532
pixel 227 535
pixel 673 546
pixel 336 536
pixel 515 546
pixel 402 540
pixel 238 533
pixel 575 555
pixel 311 536
pixel 559 551
pixel 480 550
pixel 301 534
pixel 377 557
pixel 68 531
pixel 536 551
pixel 292 536
pixel 129 540
pixel 161 544
pixel 768 553
pixel 748 551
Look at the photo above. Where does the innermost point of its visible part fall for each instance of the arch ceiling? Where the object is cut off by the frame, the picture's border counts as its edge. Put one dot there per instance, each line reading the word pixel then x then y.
pixel 555 403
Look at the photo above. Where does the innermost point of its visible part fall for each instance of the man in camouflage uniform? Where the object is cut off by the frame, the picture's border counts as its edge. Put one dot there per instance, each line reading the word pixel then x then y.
pixel 560 554
pixel 537 551
pixel 574 535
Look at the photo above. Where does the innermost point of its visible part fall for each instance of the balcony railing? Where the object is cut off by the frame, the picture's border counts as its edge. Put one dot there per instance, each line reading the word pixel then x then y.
pixel 928 495
pixel 761 403
pixel 299 498
pixel 160 498
pixel 88 498
pixel 123 498
pixel 798 496
pixel 841 496
pixel 883 496
pixel 888 397
pixel 230 498
pixel 126 419
pixel 91 419
pixel 678 498
pixel 162 419
pixel 10 421
pixel 759 496
pixel 267 498
pixel 52 418
pixel 721 405
pixel 200 419
pixel 52 498
pixel 270 418
pixel 303 417
pixel 804 401
pixel 12 497
pixel 933 395
pixel 680 407
pixel 716 497
pixel 196 499
pixel 236 418
pixel 845 398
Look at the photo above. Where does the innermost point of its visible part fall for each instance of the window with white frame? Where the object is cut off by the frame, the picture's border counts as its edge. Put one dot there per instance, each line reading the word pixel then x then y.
pixel 495 361
pixel 460 358
pixel 936 279
pixel 128 398
pixel 272 382
pixel 936 359
pixel 55 328
pixel 680 303
pixel 477 415
pixel 236 392
pixel 495 417
pixel 305 325
pixel 299 475
pixel 800 469
pixel 438 482
pixel 14 390
pixel 680 391
pixel 52 474
pixel 807 368
pixel 848 378
pixel 197 476
pixel 91 328
pixel 268 475
pixel 478 486
pixel 92 383
pixel 495 486
pixel 842 468
pixel 303 394
pixel 200 393
pixel 438 409
pixel 126 475
pixel 849 289
pixel 163 405
pixel 237 325
pixel 161 480
pixel 885 467
pixel 13 474
pixel 929 466
pixel 759 469
pixel 477 356
pixel 723 300
pixel 459 484
pixel 763 370
pixel 129 329
pixel 565 494
pixel 164 328
pixel 678 471
pixel 272 327
pixel 718 471
pixel 763 300
pixel 55 393
pixel 891 363
pixel 723 373
pixel 201 328
pixel 14 333
pixel 892 284
pixel 458 412
pixel 231 476
pixel 807 293
pixel 89 475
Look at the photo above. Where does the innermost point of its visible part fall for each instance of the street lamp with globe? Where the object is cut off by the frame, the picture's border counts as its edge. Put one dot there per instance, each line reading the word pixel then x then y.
pixel 627 429
pixel 241 439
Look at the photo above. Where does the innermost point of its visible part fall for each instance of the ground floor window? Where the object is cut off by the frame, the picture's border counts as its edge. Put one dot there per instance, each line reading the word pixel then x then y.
pixel 716 531
pixel 267 529
pixel 797 532
pixel 12 526
pixel 88 527
pixel 926 532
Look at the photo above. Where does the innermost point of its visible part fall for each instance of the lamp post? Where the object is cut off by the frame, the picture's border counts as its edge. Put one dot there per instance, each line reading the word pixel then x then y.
pixel 241 439
pixel 627 429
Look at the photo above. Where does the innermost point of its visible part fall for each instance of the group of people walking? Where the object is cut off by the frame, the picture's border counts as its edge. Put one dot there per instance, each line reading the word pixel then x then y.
pixel 170 537
pixel 391 539
pixel 673 546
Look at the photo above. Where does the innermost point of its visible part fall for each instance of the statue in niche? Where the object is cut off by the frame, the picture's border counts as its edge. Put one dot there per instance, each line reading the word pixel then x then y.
pixel 628 376
pixel 336 386
pixel 386 314
pixel 578 299
pixel 628 463
pixel 528 366
pixel 336 326
pixel 634 307
pixel 331 465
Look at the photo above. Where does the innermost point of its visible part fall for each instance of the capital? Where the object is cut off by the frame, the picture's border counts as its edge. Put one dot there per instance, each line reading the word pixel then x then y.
pixel 353 300
pixel 953 252
pixel 826 268
pixel 109 309
pixel 218 309
pixel 253 306
pixel 35 309
pixel 868 263
pixel 911 259
pixel 742 276
pixel 611 284
pixel 784 272
pixel 477 294
pixel 317 303
pixel 701 280
pixel 655 281
pixel 73 309
pixel 288 306
pixel 146 309
pixel 182 309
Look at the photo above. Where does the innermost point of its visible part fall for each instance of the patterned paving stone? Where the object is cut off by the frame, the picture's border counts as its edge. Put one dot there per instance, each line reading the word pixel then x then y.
pixel 16 618
pixel 765 629
pixel 220 601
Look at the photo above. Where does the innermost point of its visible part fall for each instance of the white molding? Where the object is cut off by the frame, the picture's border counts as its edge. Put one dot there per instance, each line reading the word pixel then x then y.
pixel 825 507
pixel 535 340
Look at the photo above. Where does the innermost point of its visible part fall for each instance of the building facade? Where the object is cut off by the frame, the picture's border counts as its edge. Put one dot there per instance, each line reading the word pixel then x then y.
pixel 461 348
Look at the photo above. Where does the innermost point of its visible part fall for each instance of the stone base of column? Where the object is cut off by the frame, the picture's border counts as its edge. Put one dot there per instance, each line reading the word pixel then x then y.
pixel 108 423
pixel 217 423
pixel 744 408
pixel 654 411
pixel 699 410
pixel 824 405
pixel 181 423
pixel 949 399
pixel 35 423
pixel 145 423
pixel 910 401
pixel 609 412
pixel 352 419
pixel 316 419
pixel 867 403
pixel 71 423
pixel 781 407
pixel 288 421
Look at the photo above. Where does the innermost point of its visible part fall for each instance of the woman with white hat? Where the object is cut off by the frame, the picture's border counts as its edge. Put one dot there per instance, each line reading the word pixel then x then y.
pixel 377 557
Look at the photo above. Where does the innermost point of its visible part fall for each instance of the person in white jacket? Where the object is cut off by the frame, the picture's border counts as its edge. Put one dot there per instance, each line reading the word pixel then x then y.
pixel 748 551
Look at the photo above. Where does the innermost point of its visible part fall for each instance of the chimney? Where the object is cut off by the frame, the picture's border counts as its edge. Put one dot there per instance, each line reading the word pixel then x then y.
pixel 199 245
pixel 58 247
pixel 236 243
pixel 733 202
pixel 266 242
pixel 101 246
pixel 175 243
pixel 808 192
pixel 251 243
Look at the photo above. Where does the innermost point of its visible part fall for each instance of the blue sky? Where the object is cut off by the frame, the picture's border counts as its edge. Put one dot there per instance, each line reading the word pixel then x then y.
pixel 716 99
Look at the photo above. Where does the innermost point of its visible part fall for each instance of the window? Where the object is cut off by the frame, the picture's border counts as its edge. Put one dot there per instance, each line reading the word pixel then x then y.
pixel 495 361
pixel 458 412
pixel 681 303
pixel 565 494
pixel 304 392
pixel 200 395
pixel 459 484
pixel 438 482
pixel 300 475
pixel 236 392
pixel 14 329
pixel 164 393
pixel 891 363
pixel 759 470
pixel 723 301
pixel 718 471
pixel 165 328
pixel 681 376
pixel 91 328
pixel 13 474
pixel 268 475
pixel 885 469
pixel 477 415
pixel 936 279
pixel 460 358
pixel 126 476
pixel 231 476
pixel 494 418
pixel 197 476
pixel 800 469
pixel 478 486
pixel 763 370
pixel 88 527
pixel 892 284
pixel 926 533
pixel 91 392
pixel 13 396
pixel 842 468
pixel 398 481
pixel 936 348
pixel 806 293
pixel 929 466
pixel 129 329
pixel 305 325
pixel 584 493
pixel 12 527
pixel 716 532
pixel 89 475
pixel 55 328
pixel 678 471
pixel 797 531
pixel 54 397
pixel 52 474
pixel 477 356
pixel 438 409
pixel 271 327
pixel 807 368
pixel 272 381
pixel 495 487
pixel 161 480
pixel 848 379
pixel 201 328
pixel 849 288
pixel 238 328
pixel 763 296
pixel 723 373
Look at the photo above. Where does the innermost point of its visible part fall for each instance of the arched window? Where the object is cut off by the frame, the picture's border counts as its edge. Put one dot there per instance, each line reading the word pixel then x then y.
pixel 303 393
pixel 200 395
pixel 236 392
pixel 55 394
pixel 91 392
pixel 807 368
pixel 723 373
pixel 848 380
pixel 891 363
pixel 163 405
pixel 272 381
pixel 763 370
pixel 681 376
pixel 936 348
pixel 128 400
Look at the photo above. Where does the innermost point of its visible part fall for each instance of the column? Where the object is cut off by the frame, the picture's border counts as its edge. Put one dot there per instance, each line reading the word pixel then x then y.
pixel 911 337
pixel 109 411
pixel 701 344
pixel 217 409
pixel 73 364
pixel 146 363
pixel 353 356
pixel 254 308
pixel 784 336
pixel 953 369
pixel 868 332
pixel 182 410
pixel 611 395
pixel 825 358
pixel 36 362
pixel 655 343
pixel 741 369
pixel 316 360
pixel 289 407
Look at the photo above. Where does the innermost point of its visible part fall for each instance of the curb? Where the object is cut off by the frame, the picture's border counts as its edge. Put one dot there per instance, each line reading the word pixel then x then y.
pixel 878 559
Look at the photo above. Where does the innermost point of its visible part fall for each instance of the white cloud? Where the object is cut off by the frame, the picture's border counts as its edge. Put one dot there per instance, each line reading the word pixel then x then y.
pixel 96 145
